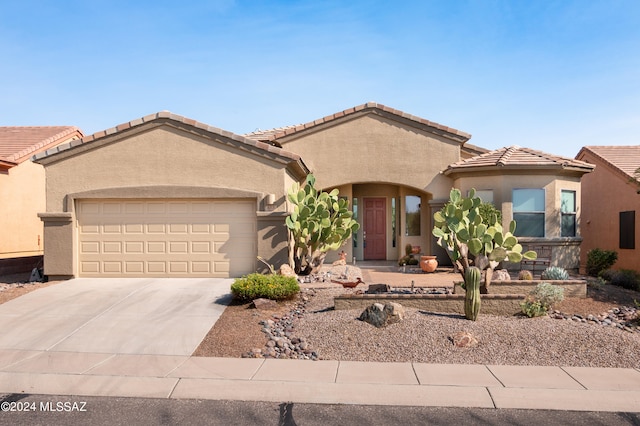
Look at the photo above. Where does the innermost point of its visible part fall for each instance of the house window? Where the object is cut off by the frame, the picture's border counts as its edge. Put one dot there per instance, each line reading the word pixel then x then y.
pixel 486 195
pixel 355 216
pixel 628 230
pixel 412 215
pixel 528 212
pixel 568 214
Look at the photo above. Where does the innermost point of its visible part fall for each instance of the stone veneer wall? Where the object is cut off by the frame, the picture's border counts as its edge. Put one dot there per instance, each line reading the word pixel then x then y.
pixel 492 304
pixel 572 288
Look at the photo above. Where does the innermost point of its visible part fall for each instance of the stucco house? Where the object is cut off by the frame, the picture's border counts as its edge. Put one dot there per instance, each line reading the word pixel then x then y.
pixel 611 203
pixel 168 196
pixel 22 191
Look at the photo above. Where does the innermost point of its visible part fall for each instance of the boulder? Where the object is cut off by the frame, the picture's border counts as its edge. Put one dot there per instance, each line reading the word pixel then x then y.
pixel 501 275
pixel 378 288
pixel 462 339
pixel 380 315
pixel 287 271
pixel 265 304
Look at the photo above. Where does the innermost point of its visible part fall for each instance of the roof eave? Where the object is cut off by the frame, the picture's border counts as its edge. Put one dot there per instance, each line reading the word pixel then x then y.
pixel 452 171
pixel 267 150
pixel 375 108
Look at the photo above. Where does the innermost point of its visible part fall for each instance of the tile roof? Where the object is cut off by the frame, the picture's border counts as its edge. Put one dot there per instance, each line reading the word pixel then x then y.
pixel 518 158
pixel 258 147
pixel 626 159
pixel 18 143
pixel 280 132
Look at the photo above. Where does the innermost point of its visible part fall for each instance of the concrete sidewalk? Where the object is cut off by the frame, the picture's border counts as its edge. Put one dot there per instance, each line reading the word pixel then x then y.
pixel 324 382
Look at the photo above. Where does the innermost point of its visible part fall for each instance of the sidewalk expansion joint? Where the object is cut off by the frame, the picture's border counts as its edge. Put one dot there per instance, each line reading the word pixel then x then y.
pixel 576 380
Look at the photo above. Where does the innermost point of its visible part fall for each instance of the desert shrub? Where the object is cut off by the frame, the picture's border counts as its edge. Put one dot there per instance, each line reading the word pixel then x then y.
pixel 555 273
pixel 487 210
pixel 525 275
pixel 254 286
pixel 600 260
pixel 541 299
pixel 625 278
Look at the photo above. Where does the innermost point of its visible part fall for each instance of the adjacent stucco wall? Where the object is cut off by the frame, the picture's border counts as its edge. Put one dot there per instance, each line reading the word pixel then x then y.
pixel 162 162
pixel 606 193
pixel 22 191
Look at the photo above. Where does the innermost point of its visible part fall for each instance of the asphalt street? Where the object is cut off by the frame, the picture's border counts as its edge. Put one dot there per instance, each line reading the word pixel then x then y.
pixel 21 409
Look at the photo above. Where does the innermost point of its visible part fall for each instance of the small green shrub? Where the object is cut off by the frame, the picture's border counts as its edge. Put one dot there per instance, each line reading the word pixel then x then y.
pixel 541 299
pixel 525 275
pixel 254 286
pixel 532 309
pixel 554 273
pixel 600 260
pixel 625 278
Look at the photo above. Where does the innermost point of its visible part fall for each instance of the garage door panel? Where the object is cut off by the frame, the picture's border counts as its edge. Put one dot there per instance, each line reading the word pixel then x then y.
pixel 166 238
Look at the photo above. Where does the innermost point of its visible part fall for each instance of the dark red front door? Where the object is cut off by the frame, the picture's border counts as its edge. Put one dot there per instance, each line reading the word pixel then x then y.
pixel 374 229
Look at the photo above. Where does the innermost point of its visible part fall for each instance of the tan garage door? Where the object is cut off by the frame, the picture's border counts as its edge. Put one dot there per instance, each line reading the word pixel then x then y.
pixel 166 238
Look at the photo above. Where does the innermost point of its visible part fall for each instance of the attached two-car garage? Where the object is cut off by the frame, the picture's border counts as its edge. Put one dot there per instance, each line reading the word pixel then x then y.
pixel 166 196
pixel 166 238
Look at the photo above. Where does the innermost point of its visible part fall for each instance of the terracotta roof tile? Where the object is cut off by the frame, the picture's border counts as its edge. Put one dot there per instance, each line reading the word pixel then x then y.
pixel 273 134
pixel 250 144
pixel 624 158
pixel 19 143
pixel 517 157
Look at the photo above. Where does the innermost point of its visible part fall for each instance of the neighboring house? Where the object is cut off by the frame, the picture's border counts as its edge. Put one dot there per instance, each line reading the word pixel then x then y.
pixel 168 196
pixel 22 191
pixel 611 203
pixel 540 191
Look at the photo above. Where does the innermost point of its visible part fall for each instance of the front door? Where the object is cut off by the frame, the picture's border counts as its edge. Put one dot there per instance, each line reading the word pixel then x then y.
pixel 374 229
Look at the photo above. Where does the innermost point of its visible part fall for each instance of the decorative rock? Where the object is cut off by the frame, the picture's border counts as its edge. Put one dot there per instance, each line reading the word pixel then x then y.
pixel 501 275
pixel 265 304
pixel 463 339
pixel 378 288
pixel 380 315
pixel 287 271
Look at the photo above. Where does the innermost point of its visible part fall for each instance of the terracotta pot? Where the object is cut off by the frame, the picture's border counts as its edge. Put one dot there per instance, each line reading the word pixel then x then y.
pixel 428 263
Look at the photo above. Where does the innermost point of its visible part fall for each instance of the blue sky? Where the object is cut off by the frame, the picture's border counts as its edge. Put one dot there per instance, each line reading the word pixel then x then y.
pixel 549 75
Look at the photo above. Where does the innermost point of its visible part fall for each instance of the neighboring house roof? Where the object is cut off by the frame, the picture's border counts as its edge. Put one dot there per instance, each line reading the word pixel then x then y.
pixel 624 160
pixel 166 117
pixel 273 135
pixel 19 143
pixel 515 157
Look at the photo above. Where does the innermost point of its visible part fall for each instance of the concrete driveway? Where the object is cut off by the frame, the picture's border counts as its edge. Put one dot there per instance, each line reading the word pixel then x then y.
pixel 159 316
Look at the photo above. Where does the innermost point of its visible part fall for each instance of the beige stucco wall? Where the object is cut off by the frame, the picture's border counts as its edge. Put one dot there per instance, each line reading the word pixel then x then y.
pixel 566 251
pixel 605 194
pixel 163 162
pixel 373 156
pixel 162 156
pixel 22 190
pixel 371 148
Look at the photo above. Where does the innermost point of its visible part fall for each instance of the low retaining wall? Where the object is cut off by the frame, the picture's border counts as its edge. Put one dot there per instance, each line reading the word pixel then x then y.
pixel 572 288
pixel 492 304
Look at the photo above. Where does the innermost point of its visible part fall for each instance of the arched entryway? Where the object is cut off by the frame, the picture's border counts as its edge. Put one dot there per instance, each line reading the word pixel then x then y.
pixel 390 216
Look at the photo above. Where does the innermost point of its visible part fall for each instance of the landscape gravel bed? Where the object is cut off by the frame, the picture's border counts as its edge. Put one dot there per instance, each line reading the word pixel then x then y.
pixel 428 337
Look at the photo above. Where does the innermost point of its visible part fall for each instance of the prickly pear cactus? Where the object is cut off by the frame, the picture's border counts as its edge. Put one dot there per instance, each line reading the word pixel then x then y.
pixel 461 231
pixel 320 222
pixel 472 293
